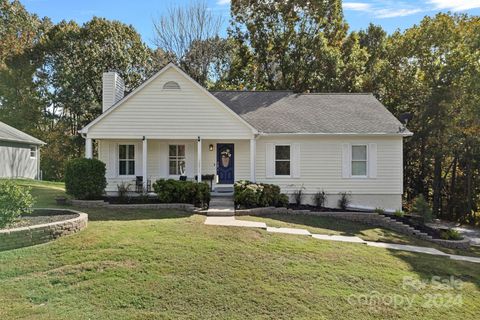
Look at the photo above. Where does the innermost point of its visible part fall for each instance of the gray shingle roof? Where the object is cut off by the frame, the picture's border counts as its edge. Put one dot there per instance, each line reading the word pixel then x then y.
pixel 288 112
pixel 8 133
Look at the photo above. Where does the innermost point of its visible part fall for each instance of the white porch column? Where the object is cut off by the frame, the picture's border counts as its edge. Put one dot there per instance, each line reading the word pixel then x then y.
pixel 144 164
pixel 253 159
pixel 199 159
pixel 37 152
pixel 88 148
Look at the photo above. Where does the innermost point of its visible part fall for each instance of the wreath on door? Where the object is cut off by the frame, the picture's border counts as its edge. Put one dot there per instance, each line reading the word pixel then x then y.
pixel 226 155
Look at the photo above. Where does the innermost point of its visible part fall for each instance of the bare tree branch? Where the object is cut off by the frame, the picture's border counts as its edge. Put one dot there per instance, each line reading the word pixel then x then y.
pixel 181 26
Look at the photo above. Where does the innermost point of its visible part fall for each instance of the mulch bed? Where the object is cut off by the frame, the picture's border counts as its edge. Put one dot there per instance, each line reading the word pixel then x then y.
pixel 318 209
pixel 37 218
pixel 131 200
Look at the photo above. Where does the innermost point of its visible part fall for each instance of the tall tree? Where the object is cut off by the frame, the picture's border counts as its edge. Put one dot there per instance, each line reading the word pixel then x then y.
pixel 292 44
pixel 374 41
pixel 20 32
pixel 189 35
pixel 431 74
pixel 19 29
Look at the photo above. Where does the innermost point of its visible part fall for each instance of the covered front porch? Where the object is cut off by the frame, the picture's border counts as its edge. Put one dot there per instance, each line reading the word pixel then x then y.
pixel 145 160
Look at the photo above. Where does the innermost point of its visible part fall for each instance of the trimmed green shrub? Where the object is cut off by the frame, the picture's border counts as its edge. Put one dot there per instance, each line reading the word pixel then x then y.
pixel 451 234
pixel 14 201
pixel 399 213
pixel 85 178
pixel 176 191
pixel 379 210
pixel 422 208
pixel 252 195
pixel 344 200
pixel 320 198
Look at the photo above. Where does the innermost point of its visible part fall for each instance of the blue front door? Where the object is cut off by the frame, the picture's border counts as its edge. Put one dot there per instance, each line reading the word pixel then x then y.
pixel 225 163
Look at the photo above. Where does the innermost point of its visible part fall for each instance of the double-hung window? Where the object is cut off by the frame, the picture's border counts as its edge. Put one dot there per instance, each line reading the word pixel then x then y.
pixel 33 152
pixel 176 156
pixel 282 160
pixel 359 160
pixel 126 159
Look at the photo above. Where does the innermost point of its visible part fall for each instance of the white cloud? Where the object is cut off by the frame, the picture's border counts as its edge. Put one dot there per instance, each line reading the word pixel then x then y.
pixel 223 2
pixel 455 5
pixel 391 13
pixel 383 9
pixel 357 6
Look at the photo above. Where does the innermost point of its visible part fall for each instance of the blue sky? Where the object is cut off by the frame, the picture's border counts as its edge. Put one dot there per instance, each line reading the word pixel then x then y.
pixel 390 14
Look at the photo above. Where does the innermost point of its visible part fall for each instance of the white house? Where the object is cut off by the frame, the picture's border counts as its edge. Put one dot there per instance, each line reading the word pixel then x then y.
pixel 19 154
pixel 170 126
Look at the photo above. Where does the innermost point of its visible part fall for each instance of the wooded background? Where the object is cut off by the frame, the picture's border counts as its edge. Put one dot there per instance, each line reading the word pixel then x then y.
pixel 50 77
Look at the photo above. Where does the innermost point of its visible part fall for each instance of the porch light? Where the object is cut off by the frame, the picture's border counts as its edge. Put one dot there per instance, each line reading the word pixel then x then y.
pixel 210 147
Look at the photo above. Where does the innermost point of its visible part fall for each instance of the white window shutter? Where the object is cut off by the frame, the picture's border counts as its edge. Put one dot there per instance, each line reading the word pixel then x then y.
pixel 295 156
pixel 164 166
pixel 372 160
pixel 346 164
pixel 189 160
pixel 111 159
pixel 138 159
pixel 269 160
pixel 115 159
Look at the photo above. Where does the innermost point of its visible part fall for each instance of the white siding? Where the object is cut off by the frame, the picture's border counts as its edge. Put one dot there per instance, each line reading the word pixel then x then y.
pixel 15 161
pixel 170 114
pixel 157 159
pixel 321 168
pixel 112 89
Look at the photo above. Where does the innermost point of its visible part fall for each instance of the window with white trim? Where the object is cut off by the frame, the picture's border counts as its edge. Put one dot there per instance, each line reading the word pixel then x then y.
pixel 176 157
pixel 359 160
pixel 33 152
pixel 282 160
pixel 126 160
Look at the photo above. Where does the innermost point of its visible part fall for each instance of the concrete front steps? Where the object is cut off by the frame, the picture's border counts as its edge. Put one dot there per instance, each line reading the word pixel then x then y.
pixel 221 205
pixel 404 228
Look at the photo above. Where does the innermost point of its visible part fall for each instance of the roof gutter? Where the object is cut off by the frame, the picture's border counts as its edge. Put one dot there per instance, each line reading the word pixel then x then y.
pixel 373 134
pixel 36 143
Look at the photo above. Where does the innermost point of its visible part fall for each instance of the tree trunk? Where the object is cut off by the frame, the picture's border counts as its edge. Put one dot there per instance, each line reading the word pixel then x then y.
pixel 437 185
pixel 451 196
pixel 468 179
pixel 421 189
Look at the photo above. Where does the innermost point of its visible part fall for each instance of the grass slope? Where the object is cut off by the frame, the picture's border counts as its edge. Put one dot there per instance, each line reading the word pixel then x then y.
pixel 146 264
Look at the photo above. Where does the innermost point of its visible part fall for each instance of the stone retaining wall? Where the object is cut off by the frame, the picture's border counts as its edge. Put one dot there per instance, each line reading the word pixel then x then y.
pixel 368 218
pixel 103 204
pixel 29 236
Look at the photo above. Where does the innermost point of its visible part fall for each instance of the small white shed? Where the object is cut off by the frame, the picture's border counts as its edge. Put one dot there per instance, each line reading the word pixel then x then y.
pixel 19 154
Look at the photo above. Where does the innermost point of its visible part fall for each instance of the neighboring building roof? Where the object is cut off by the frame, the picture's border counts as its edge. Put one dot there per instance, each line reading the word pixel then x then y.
pixel 8 133
pixel 329 113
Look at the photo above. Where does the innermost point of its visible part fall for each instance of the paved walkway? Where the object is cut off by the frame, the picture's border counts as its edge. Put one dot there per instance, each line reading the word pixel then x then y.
pixel 468 232
pixel 232 222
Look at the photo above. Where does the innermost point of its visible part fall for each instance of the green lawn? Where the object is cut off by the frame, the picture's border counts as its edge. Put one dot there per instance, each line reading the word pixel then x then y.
pixel 146 264
pixel 332 226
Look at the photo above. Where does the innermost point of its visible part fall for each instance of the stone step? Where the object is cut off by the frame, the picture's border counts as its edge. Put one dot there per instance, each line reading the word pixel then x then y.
pixel 222 203
pixel 220 212
pixel 222 199
pixel 222 194
pixel 224 189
